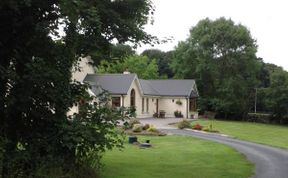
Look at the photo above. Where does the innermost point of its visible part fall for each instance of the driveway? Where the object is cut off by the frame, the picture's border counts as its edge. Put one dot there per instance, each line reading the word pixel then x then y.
pixel 270 162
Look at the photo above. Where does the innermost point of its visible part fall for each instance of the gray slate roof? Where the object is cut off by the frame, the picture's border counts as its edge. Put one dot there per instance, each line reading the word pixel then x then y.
pixel 169 87
pixel 113 83
pixel 120 84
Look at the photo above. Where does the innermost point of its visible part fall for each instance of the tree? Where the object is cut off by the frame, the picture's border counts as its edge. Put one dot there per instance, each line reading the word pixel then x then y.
pixel 116 52
pixel 277 93
pixel 221 56
pixel 141 65
pixel 36 90
pixel 163 59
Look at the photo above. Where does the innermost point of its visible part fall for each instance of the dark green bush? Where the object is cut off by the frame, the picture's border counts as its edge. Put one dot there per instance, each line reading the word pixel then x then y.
pixel 178 114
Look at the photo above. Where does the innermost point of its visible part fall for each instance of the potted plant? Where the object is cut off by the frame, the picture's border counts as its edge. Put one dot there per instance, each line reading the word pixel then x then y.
pixel 179 102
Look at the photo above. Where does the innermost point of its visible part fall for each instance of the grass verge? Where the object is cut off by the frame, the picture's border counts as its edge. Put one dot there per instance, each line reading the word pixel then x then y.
pixel 176 157
pixel 274 135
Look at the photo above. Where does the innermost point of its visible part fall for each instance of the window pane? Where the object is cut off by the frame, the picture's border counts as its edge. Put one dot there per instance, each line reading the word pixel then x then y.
pixel 116 101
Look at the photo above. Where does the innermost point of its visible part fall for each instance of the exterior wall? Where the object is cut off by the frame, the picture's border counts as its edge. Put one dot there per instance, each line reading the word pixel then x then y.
pixel 138 98
pixel 85 68
pixel 169 106
pixel 151 107
pixel 73 110
pixel 79 76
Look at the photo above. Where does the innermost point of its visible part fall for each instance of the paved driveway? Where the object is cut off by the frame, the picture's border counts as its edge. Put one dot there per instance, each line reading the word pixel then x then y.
pixel 270 162
pixel 160 123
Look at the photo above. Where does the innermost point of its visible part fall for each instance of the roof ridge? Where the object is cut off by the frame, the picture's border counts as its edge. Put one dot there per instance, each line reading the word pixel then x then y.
pixel 112 74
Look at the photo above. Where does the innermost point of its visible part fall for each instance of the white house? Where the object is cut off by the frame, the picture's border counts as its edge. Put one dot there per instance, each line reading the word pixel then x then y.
pixel 79 72
pixel 147 96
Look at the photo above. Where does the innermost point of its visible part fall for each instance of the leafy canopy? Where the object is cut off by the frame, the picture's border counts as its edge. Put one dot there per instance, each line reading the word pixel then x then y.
pixel 221 56
pixel 36 90
pixel 141 65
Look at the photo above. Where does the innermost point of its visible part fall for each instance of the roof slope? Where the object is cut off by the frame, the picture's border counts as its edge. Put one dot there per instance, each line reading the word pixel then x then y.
pixel 118 84
pixel 169 87
pixel 113 83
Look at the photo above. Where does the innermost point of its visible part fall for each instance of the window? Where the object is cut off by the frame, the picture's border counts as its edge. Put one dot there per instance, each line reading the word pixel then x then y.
pixel 116 102
pixel 152 100
pixel 143 100
pixel 147 105
pixel 132 98
pixel 173 100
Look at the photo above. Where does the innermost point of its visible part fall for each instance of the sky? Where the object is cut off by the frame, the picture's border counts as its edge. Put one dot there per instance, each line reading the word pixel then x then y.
pixel 267 20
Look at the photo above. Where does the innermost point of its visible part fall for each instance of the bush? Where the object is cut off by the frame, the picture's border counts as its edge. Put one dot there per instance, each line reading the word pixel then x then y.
pixel 178 114
pixel 132 122
pixel 197 127
pixel 184 124
pixel 146 126
pixel 137 128
pixel 152 129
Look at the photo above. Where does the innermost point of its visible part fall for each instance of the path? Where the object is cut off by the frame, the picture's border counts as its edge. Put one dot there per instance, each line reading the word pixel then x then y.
pixel 270 162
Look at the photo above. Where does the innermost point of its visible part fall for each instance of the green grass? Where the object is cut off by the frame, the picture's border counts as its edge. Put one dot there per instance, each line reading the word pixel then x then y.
pixel 274 135
pixel 176 157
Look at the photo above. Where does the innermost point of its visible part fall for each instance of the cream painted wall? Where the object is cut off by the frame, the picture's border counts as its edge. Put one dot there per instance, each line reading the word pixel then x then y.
pixel 85 68
pixel 169 106
pixel 79 76
pixel 138 98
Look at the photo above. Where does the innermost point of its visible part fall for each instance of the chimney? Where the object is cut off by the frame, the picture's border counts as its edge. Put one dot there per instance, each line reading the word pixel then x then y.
pixel 126 71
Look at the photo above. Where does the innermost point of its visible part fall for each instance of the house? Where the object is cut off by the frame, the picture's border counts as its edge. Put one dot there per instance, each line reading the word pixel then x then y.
pixel 147 96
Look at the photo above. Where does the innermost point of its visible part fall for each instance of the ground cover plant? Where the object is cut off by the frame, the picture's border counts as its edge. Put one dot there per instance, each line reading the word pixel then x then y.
pixel 175 156
pixel 274 135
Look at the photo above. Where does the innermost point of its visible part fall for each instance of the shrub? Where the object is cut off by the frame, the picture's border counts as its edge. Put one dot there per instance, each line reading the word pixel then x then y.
pixel 132 122
pixel 146 126
pixel 184 124
pixel 152 129
pixel 137 128
pixel 178 114
pixel 197 127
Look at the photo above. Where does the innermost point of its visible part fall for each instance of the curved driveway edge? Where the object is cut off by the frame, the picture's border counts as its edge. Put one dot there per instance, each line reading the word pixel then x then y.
pixel 270 162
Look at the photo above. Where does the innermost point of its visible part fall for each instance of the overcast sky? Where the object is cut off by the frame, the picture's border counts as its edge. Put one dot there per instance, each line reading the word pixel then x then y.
pixel 267 21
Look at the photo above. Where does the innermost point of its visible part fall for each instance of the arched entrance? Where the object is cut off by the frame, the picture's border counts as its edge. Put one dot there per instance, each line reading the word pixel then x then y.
pixel 132 98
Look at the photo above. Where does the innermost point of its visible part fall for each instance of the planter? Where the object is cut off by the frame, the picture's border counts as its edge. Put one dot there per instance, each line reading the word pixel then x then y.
pixel 162 114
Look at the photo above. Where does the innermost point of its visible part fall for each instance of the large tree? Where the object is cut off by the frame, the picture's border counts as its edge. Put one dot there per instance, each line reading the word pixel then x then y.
pixel 221 56
pixel 36 90
pixel 163 60
pixel 141 65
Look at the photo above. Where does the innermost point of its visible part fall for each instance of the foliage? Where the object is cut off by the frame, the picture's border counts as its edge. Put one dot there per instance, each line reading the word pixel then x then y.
pixel 152 129
pixel 184 124
pixel 278 96
pixel 36 90
pixel 221 56
pixel 178 114
pixel 137 127
pixel 163 60
pixel 146 126
pixel 272 97
pixel 179 102
pixel 132 122
pixel 197 126
pixel 140 65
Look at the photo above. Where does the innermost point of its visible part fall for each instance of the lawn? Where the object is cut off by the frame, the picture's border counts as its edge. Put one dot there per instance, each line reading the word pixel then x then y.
pixel 176 157
pixel 274 135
